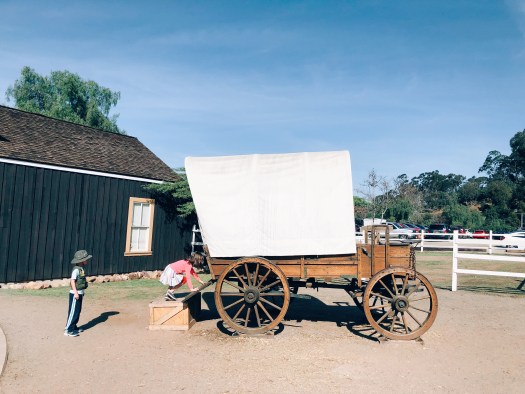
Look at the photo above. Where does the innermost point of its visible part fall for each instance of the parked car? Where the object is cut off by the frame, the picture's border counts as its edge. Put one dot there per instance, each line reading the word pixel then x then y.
pixel 514 240
pixel 400 232
pixel 439 228
pixel 462 232
pixel 412 227
pixel 422 227
pixel 480 234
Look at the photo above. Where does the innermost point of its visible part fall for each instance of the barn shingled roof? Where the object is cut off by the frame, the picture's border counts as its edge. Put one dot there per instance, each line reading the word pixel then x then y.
pixel 35 138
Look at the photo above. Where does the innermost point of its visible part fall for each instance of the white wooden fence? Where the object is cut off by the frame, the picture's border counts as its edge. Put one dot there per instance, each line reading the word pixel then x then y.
pixel 479 244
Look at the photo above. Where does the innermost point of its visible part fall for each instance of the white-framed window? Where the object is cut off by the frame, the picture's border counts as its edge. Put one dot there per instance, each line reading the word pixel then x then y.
pixel 140 227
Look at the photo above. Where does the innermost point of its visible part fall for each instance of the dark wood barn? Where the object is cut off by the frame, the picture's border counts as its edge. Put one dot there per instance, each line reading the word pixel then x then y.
pixel 65 187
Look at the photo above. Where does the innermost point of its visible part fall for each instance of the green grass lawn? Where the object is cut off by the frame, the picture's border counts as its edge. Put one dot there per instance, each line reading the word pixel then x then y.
pixel 140 289
pixel 435 265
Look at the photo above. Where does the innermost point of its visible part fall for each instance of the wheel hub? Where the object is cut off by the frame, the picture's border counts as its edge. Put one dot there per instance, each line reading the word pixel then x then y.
pixel 251 295
pixel 400 303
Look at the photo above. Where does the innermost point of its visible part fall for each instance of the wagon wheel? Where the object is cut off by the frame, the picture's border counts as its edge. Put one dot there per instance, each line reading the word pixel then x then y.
pixel 259 302
pixel 400 303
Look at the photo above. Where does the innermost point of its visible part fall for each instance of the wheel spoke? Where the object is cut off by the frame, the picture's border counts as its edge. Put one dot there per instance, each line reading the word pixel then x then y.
pixel 264 310
pixel 420 299
pixel 381 296
pixel 386 288
pixel 247 274
pixel 256 310
pixel 420 310
pixel 412 316
pixel 238 312
pixel 247 317
pixel 394 283
pixel 414 288
pixel 232 295
pixel 393 322
pixel 255 275
pixel 239 278
pixel 264 277
pixel 385 315
pixel 233 285
pixel 405 282
pixel 272 294
pixel 382 306
pixel 270 285
pixel 233 304
pixel 405 323
pixel 271 303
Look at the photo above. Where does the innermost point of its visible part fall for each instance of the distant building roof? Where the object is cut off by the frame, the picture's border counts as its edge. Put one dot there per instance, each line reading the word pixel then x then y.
pixel 35 138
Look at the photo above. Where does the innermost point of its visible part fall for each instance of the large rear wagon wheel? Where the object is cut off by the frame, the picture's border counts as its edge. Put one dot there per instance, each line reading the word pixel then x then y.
pixel 252 295
pixel 400 303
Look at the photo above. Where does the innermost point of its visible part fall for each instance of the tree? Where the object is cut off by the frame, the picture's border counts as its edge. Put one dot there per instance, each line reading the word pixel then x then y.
pixel 175 197
pixel 512 166
pixel 461 215
pixel 470 193
pixel 66 96
pixel 438 189
pixel 377 193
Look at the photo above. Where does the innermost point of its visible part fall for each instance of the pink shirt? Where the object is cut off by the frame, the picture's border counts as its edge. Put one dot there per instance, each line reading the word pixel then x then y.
pixel 184 266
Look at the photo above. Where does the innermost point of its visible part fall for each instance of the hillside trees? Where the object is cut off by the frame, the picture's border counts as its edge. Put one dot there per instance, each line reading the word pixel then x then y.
pixel 66 96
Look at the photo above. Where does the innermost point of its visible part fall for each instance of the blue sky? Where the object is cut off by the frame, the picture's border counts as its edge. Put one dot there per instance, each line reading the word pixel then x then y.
pixel 406 86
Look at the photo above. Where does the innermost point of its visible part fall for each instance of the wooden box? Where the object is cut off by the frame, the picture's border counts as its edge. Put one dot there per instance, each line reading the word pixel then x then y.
pixel 174 315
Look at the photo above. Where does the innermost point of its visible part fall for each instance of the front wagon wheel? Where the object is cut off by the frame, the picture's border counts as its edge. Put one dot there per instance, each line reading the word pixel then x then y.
pixel 400 303
pixel 252 295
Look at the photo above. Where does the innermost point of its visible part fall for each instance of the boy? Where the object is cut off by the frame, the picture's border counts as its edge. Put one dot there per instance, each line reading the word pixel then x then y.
pixel 78 283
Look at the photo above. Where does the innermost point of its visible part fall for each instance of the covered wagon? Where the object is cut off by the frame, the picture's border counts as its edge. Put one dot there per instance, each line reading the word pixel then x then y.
pixel 273 223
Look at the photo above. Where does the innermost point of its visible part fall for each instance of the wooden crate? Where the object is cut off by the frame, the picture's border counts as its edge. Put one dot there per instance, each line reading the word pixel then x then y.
pixel 174 315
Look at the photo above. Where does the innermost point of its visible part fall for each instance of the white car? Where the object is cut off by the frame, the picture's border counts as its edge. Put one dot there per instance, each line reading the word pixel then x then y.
pixel 514 240
pixel 401 232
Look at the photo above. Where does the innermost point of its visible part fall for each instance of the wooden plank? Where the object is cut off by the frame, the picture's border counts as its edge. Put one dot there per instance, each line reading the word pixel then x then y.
pixel 23 273
pixel 35 225
pixel 43 224
pixel 68 248
pixel 6 205
pixel 16 214
pixel 49 267
pixel 61 258
pixel 110 248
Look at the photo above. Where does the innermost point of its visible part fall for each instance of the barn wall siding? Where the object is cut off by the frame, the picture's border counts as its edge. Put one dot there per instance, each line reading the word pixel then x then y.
pixel 46 215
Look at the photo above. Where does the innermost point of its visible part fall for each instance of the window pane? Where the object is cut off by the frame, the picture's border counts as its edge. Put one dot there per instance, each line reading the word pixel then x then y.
pixel 143 239
pixel 134 244
pixel 145 215
pixel 137 214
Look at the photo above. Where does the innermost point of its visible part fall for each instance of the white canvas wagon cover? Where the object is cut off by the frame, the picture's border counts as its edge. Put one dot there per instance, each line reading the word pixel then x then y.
pixel 293 204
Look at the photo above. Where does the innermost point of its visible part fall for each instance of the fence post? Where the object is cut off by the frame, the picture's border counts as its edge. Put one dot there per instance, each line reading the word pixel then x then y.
pixel 455 261
pixel 422 240
pixel 490 242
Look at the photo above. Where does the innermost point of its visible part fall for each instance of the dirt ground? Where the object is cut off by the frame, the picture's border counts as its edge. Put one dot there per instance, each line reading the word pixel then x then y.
pixel 477 344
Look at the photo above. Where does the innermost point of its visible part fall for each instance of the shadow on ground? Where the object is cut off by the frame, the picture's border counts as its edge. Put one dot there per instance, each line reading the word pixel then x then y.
pixel 343 314
pixel 97 320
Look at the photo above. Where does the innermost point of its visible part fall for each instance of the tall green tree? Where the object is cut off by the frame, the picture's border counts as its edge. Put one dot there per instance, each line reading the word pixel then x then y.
pixel 66 96
pixel 438 189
